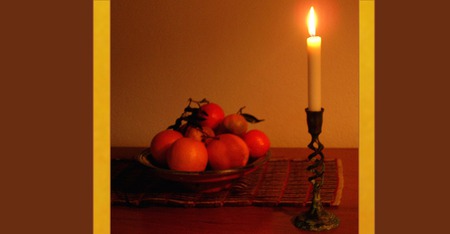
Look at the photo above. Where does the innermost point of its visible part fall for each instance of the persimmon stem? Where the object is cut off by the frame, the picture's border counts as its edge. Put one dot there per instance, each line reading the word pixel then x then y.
pixel 240 110
pixel 199 103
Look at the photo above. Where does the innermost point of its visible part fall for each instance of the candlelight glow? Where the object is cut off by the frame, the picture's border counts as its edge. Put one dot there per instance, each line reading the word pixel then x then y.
pixel 312 22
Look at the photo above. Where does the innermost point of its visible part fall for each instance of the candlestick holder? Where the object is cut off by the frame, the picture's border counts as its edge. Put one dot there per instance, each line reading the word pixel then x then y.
pixel 316 218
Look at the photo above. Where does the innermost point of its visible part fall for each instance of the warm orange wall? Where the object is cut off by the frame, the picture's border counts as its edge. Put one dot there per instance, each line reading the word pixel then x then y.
pixel 235 53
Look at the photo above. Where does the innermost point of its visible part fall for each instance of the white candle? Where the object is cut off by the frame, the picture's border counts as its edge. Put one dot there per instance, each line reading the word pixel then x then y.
pixel 314 67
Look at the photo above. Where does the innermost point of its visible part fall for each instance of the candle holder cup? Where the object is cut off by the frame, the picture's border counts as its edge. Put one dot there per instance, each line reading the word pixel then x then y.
pixel 316 218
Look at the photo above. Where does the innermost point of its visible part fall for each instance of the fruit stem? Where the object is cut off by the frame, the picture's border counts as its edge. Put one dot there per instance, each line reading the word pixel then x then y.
pixel 199 103
pixel 240 110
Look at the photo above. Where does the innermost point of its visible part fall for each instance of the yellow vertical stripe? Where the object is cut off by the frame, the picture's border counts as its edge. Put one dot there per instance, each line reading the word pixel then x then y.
pixel 101 111
pixel 367 118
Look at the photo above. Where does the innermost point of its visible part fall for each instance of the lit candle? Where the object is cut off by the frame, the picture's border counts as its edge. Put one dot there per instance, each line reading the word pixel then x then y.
pixel 314 68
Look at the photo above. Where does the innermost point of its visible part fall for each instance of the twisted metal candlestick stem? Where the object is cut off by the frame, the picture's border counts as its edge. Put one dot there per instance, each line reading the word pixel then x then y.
pixel 317 218
pixel 317 162
pixel 318 169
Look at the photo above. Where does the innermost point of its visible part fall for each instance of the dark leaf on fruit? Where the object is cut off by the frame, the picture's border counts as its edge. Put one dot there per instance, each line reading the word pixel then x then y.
pixel 251 119
pixel 204 113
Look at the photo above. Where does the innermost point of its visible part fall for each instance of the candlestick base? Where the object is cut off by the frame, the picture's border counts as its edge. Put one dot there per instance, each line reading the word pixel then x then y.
pixel 317 218
pixel 316 222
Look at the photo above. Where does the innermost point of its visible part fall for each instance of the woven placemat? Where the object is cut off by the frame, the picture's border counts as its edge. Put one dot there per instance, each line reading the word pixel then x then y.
pixel 279 182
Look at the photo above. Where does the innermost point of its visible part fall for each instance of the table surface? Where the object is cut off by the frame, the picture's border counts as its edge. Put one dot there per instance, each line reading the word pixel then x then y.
pixel 247 219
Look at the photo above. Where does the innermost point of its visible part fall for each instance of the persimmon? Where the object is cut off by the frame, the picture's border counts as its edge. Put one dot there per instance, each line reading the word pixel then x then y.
pixel 200 134
pixel 234 123
pixel 212 115
pixel 226 151
pixel 258 143
pixel 187 154
pixel 161 143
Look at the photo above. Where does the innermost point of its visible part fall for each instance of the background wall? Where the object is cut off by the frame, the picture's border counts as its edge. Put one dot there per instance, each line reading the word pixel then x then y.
pixel 235 53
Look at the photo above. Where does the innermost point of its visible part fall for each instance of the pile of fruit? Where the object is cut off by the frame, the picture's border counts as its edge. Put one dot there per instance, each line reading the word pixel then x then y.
pixel 204 138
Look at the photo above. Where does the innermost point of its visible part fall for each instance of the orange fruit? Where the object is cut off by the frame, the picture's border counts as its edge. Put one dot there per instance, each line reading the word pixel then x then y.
pixel 187 154
pixel 235 123
pixel 258 143
pixel 199 134
pixel 227 151
pixel 213 117
pixel 161 143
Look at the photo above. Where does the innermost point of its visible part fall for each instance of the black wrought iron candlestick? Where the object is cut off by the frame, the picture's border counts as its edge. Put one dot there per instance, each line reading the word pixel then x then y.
pixel 316 218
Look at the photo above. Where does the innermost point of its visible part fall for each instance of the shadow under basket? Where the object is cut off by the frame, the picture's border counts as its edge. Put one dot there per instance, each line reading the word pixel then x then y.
pixel 205 181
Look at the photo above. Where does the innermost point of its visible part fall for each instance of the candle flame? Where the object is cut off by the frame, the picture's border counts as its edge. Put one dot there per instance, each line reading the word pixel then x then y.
pixel 312 22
